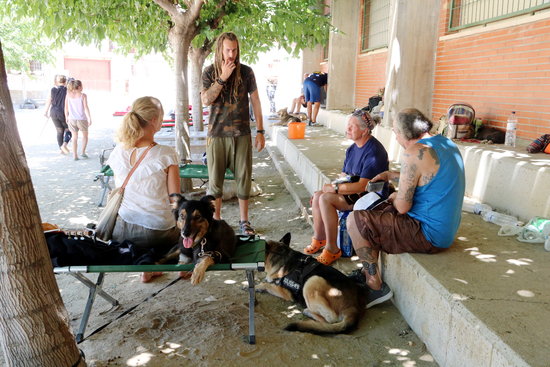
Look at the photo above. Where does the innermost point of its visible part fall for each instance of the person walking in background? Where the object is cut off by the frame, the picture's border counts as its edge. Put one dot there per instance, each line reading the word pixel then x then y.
pixel 145 216
pixel 423 215
pixel 227 85
pixel 78 115
pixel 55 108
pixel 312 92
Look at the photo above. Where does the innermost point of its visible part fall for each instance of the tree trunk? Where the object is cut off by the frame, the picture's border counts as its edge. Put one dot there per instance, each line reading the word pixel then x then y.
pixel 197 56
pixel 34 324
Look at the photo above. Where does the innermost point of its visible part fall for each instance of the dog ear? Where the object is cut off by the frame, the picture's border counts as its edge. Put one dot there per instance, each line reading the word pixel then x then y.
pixel 286 239
pixel 176 200
pixel 211 200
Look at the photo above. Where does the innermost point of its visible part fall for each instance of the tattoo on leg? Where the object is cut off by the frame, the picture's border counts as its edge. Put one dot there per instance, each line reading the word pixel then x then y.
pixel 365 254
pixel 370 268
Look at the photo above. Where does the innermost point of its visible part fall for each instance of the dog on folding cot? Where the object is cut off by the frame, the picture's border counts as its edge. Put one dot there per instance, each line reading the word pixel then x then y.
pixel 204 240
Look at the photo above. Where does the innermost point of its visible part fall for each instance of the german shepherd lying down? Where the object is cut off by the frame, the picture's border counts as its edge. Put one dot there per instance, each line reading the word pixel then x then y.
pixel 334 302
pixel 204 240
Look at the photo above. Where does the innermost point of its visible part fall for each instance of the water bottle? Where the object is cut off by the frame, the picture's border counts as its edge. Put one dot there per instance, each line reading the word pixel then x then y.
pixel 546 233
pixel 480 208
pixel 475 208
pixel 511 126
pixel 500 219
pixel 343 240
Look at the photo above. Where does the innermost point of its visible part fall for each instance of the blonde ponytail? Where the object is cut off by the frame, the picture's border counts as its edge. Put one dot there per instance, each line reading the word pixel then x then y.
pixel 144 110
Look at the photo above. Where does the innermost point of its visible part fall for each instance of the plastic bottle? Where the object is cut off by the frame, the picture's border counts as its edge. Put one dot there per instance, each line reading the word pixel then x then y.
pixel 475 208
pixel 500 219
pixel 343 239
pixel 546 233
pixel 511 126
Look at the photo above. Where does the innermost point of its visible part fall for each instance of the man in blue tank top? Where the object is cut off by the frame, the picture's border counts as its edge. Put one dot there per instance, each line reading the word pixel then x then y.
pixel 423 216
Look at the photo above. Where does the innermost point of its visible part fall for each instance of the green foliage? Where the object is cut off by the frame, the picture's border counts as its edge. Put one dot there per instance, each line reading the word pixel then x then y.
pixel 133 25
pixel 263 24
pixel 22 44
pixel 142 26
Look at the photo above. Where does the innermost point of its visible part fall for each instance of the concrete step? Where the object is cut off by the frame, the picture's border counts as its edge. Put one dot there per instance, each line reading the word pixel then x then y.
pixel 484 302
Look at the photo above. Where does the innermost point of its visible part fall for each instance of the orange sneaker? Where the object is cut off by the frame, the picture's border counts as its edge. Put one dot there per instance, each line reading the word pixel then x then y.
pixel 315 246
pixel 328 257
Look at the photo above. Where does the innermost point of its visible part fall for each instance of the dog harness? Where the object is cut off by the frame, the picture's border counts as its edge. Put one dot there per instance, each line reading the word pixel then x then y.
pixel 295 280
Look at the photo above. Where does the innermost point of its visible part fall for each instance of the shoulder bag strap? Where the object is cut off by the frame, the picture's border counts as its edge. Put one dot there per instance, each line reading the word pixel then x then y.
pixel 136 165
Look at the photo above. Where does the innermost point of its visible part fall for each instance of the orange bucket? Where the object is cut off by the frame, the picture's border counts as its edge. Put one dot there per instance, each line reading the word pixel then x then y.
pixel 296 130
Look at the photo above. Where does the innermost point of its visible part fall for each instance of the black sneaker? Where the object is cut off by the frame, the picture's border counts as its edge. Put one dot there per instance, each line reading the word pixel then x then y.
pixel 382 295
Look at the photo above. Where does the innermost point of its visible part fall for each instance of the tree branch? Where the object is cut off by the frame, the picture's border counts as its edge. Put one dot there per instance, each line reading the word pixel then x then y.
pixel 170 8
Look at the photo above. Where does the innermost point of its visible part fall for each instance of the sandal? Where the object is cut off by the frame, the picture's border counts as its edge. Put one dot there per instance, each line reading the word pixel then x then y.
pixel 315 246
pixel 328 257
pixel 246 228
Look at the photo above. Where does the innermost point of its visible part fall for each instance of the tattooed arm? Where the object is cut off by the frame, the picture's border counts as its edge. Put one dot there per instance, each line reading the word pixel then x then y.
pixel 419 165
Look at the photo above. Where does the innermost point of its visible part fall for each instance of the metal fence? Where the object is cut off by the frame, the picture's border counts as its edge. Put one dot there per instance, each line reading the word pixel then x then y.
pixel 469 13
pixel 375 29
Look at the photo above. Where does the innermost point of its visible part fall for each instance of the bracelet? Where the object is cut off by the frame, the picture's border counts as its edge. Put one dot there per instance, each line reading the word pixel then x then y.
pixel 336 188
pixel 262 131
pixel 220 81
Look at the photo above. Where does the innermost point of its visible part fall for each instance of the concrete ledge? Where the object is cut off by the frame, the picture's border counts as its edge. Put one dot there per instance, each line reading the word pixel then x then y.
pixel 484 302
pixel 509 179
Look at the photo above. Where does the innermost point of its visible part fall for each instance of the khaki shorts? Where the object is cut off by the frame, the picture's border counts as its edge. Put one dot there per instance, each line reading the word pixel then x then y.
pixel 387 230
pixel 144 238
pixel 234 153
pixel 78 125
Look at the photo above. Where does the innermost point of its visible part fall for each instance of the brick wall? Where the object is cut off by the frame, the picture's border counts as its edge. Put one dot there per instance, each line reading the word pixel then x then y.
pixel 370 76
pixel 497 72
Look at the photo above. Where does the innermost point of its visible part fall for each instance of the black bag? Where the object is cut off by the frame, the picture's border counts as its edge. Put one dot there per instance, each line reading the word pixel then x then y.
pixel 68 250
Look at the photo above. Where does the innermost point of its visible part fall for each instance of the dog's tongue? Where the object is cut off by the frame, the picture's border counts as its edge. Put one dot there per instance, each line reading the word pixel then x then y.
pixel 187 242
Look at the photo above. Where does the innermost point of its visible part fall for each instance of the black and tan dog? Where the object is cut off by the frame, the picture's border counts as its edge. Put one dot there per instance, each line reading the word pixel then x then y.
pixel 204 240
pixel 334 302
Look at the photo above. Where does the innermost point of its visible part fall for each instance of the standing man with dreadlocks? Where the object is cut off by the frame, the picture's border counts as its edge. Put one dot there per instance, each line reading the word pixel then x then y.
pixel 226 86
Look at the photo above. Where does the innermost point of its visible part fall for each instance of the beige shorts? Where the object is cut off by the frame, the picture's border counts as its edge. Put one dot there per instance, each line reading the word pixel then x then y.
pixel 78 125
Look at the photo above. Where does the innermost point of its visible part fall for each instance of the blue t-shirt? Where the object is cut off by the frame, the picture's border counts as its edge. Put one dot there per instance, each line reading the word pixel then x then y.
pixel 367 161
pixel 438 205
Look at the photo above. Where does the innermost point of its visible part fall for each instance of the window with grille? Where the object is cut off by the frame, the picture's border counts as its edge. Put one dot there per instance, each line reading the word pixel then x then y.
pixel 35 67
pixel 469 13
pixel 375 29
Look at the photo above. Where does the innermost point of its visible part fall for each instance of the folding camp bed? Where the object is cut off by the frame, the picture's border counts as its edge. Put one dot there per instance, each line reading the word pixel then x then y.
pixel 198 171
pixel 249 256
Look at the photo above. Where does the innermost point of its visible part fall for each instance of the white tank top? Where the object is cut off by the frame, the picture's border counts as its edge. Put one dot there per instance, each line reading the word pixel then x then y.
pixel 76 108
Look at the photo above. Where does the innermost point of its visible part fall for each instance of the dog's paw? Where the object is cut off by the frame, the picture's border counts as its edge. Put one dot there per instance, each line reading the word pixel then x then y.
pixel 197 277
pixel 260 288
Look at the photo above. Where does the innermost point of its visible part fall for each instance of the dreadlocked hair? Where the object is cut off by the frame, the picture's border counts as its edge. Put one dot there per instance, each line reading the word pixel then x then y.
pixel 234 81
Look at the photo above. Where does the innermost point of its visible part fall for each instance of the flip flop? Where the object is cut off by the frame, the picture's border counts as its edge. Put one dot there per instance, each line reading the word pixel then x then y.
pixel 315 246
pixel 328 257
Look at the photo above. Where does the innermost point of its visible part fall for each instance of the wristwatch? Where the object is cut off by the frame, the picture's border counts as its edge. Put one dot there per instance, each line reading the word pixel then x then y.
pixel 220 81
pixel 262 131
